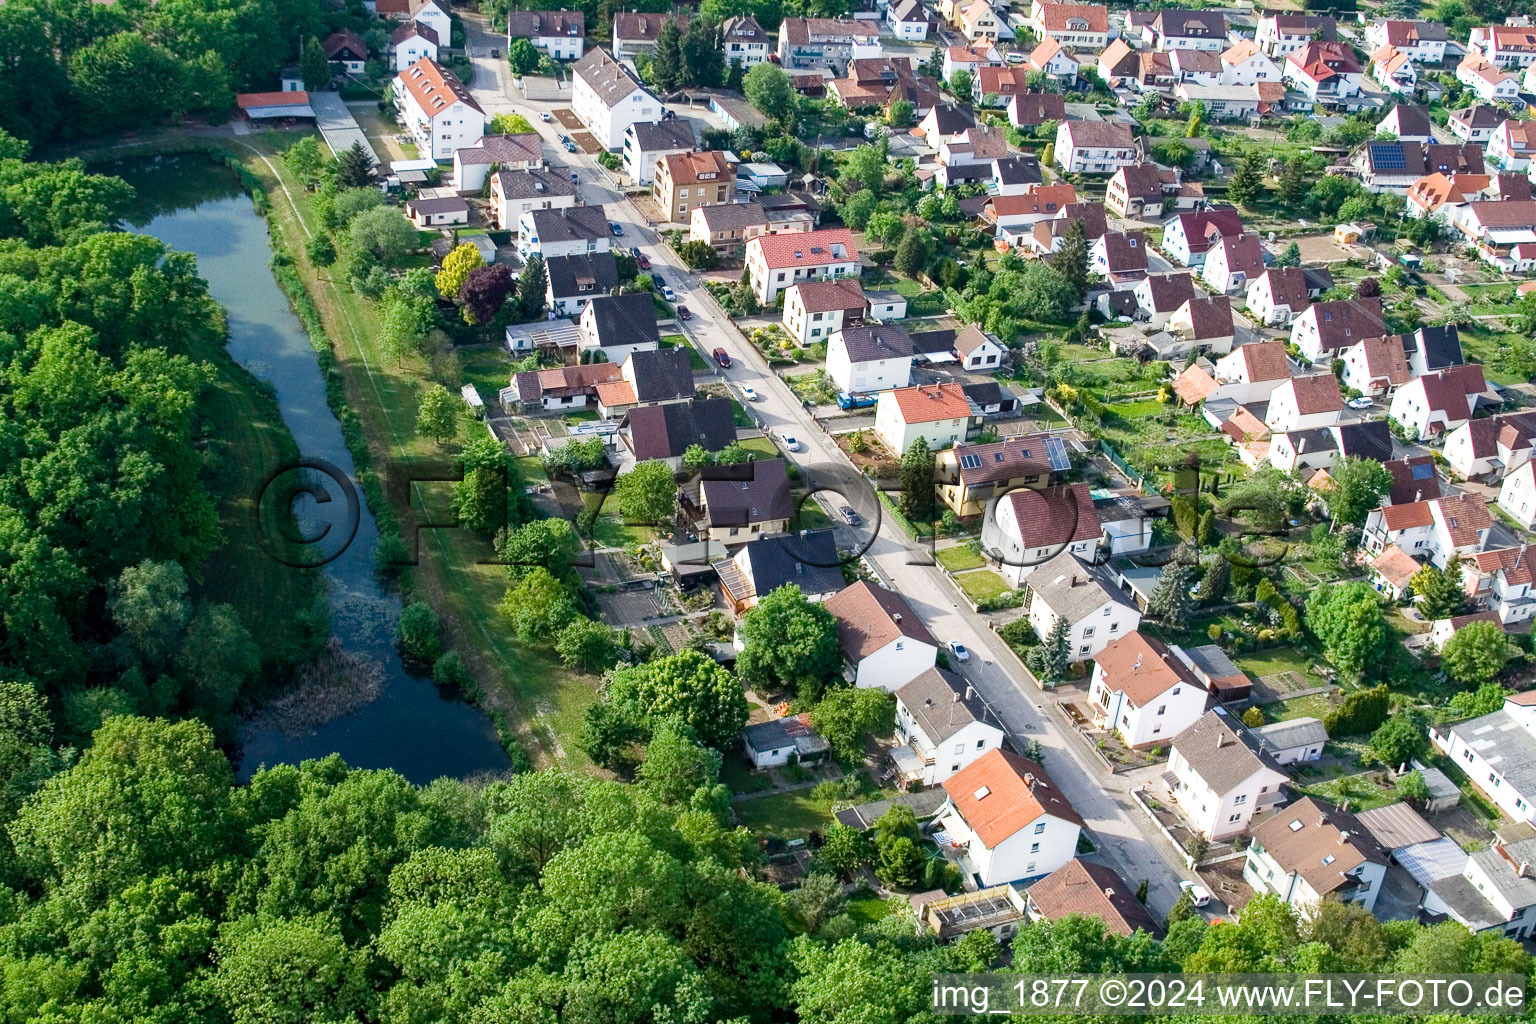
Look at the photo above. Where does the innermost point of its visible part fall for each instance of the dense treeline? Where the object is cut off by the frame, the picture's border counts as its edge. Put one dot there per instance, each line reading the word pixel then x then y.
pixel 147 887
pixel 106 514
pixel 77 67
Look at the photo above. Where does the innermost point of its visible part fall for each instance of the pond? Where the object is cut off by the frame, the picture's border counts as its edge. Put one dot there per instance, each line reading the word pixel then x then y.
pixel 198 206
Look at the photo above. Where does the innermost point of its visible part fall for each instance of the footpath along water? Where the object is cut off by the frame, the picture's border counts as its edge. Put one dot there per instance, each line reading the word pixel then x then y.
pixel 198 206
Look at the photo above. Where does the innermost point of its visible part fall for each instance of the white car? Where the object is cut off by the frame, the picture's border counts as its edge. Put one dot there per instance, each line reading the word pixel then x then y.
pixel 1198 894
pixel 958 650
pixel 749 392
pixel 790 442
pixel 1360 403
pixel 668 294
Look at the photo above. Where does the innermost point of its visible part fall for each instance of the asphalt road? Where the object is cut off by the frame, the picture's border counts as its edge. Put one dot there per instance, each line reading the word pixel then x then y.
pixel 1124 838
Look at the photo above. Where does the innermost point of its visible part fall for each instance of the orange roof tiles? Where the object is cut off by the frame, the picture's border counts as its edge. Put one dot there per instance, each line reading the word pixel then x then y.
pixel 434 87
pixel 1396 566
pixel 931 402
pixel 1000 793
pixel 1143 668
pixel 807 248
pixel 1407 517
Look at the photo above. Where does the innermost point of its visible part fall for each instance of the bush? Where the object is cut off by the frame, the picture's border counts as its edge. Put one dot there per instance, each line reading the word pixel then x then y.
pixel 1362 712
pixel 416 633
pixel 1197 846
pixel 449 673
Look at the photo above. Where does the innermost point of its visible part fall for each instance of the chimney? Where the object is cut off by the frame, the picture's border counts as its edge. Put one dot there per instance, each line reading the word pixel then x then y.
pixel 1221 739
pixel 1525 866
pixel 1343 838
pixel 896 617
pixel 1029 779
pixel 1136 666
pixel 1109 893
pixel 957 696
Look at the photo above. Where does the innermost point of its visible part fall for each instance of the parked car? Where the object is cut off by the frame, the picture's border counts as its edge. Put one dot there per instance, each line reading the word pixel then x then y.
pixel 495 54
pixel 1199 895
pixel 544 116
pixel 643 261
pixel 854 400
pixel 849 515
pixel 668 294
pixel 958 649
pixel 723 358
pixel 570 147
pixel 683 313
pixel 790 442
pixel 1360 403
pixel 749 392
pixel 616 228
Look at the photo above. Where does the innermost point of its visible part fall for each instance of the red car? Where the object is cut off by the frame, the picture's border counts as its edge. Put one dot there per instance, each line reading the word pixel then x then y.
pixel 723 357
pixel 644 261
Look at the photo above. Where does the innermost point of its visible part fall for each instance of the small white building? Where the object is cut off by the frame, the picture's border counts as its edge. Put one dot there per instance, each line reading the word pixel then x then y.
pixel 1505 582
pixel 1309 851
pixel 817 310
pixel 1376 366
pixel 1143 691
pixel 560 34
pixel 1437 403
pixel 978 350
pixel 1517 495
pixel 473 162
pixel 1294 740
pixel 1434 530
pixel 775 743
pixel 884 643
pixel 1278 296
pixel 563 232
pixel 1007 820
pixel 646 142
pixel 1251 373
pixel 411 43
pixel 1494 751
pixel 1222 776
pixel 1324 328
pixel 619 325
pixel 1028 527
pixel 939 413
pixel 1492 444
pixel 1232 262
pixel 941 728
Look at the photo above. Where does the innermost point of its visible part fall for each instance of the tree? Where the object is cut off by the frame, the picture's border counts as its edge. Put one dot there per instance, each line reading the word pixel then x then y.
pixel 1360 712
pixel 437 414
pixel 1485 700
pixel 899 863
pixel 1214 581
pixel 1048 154
pixel 689 685
pixel 416 633
pixel 608 736
pixel 960 84
pixel 1412 787
pixel 1246 182
pixel 647 493
pixel 1397 741
pixel 350 202
pixel 456 268
pixel 384 234
pixel 314 68
pixel 1359 485
pixel 703 53
pixel 917 482
pixel 900 113
pixel 530 288
pixel 1348 620
pixel 354 167
pixel 819 898
pixel 1440 592
pixel 911 254
pixel 513 124
pixel 844 849
pixel 769 90
pixel 789 645
pixel 667 69
pixel 847 714
pixel 1071 260
pixel 1253 718
pixel 1170 602
pixel 698 255
pixel 865 167
pixel 148 602
pixel 1050 659
pixel 538 606
pixel 320 250
pixel 587 646
pixel 523 56
pixel 1174 153
pixel 278 971
pixel 550 544
pixel 1292 188
pixel 405 319
pixel 485 291
pixel 1476 653
pixel 676 764
pixel 1368 288
pixel 1291 257
pixel 306 160
pixel 216 659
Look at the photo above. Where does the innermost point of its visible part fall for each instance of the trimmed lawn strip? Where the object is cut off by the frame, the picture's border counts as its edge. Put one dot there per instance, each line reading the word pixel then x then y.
pixel 959 558
pixel 791 815
pixel 982 584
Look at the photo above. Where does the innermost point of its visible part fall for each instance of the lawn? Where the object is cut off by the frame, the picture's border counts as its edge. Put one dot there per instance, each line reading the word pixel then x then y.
pixel 613 532
pixel 488 368
pixel 1487 347
pixel 761 445
pixel 959 558
pixel 1313 705
pixel 868 909
pixel 814 387
pixel 1360 791
pixel 782 814
pixel 1280 659
pixel 544 702
pixel 982 585
pixel 739 777
pixel 695 361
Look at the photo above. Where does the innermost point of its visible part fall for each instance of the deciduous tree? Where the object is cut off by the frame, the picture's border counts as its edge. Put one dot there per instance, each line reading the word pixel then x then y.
pixel 847 714
pixel 437 414
pixel 1476 653
pixel 789 645
pixel 1349 622
pixel 456 268
pixel 688 685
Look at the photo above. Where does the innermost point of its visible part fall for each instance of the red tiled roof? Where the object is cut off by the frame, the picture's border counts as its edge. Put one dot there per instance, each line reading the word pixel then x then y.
pixel 247 100
pixel 1317 393
pixel 1054 17
pixel 434 88
pixel 1396 566
pixel 1463 515
pixel 1407 517
pixel 1091 890
pixel 1193 385
pixel 1001 793
pixel 1517 564
pixel 931 402
pixel 825 296
pixel 807 248
pixel 1265 361
pixel 1054 517
pixel 869 617
pixel 1143 668
pixel 1386 360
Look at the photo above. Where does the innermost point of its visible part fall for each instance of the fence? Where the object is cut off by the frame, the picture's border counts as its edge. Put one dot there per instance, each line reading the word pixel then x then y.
pixel 1133 474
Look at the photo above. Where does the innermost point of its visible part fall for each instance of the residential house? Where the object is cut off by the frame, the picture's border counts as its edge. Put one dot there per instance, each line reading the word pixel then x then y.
pixel 878 82
pixel 411 43
pixel 435 213
pixel 618 325
pixel 978 350
pixel 1510 146
pixel 1316 448
pixel 347 49
pixel 1278 296
pixel 1244 63
pixel 1407 122
pixel 1487 80
pixel 1087 597
pixel 1293 741
pixel 472 164
pixel 563 232
pixel 437 109
pixel 807 559
pixel 909 20
pixel 665 432
pixel 1436 530
pixel 997 85
pixel 434 14
pixel 782 740
pixel 1007 820
pixel 737 503
pixel 1413 479
pixel 561 389
pixel 573 281
pixel 945 122
pixel 745 41
pixel 1447 197
pixel 1492 445
pixel 1159 296
pixel 1396 166
pixel 1325 328
pixel 774 262
pixel 646 377
pixel 1120 257
pixel 1222 776
pixel 515 193
pixel 1027 528
pixel 1094 147
pixel 728 226
pixel 1495 891
pixel 873 357
pixel 1143 691
pixel 1196 67
pixel 1281 33
pixel 970 476
pixel 971 59
pixel 1119 64
pixel 607 96
pixel 1310 851
pixel 1202 322
pixel 1055 61
pixel 1251 373
pixel 939 413
pixel 884 643
pixel 1232 262
pixel 1433 348
pixel 1085 26
pixel 560 34
pixel 1303 403
pixel 1172 29
pixel 1015 216
pixel 1189 236
pixel 1394 70
pixel 1437 403
pixel 1512 46
pixel 1392 572
pixel 1502 232
pixel 1323 72
pixel 1503 581
pixel 827 42
pixel 1081 888
pixel 635 33
pixel 1376 366
pixel 1138 190
pixel 1423 41
pixel 688 180
pixel 1517 495
pixel 817 310
pixel 978 20
pixel 1014 175
pixel 968 159
pixel 1497 752
pixel 941 729
pixel 1156 72
pixel 1049 235
pixel 646 142
pixel 1476 123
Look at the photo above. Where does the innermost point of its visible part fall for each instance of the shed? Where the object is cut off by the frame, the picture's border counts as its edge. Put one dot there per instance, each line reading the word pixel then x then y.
pixel 925 803
pixel 764 175
pixel 275 106
pixel 1429 862
pixel 443 212
pixel 770 744
pixel 692 564
pixel 1397 827
pixel 1443 793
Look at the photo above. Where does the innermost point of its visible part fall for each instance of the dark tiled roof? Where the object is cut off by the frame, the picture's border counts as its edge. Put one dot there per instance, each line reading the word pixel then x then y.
pixel 673 133
pixel 533 24
pixel 746 493
pixel 595 269
pixel 661 375
pixel 536 183
pixel 576 224
pixel 627 319
pixel 808 560
pixel 882 341
pixel 667 431
pixel 1371 439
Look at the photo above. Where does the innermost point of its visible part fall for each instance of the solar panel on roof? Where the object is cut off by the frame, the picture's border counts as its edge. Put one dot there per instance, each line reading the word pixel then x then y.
pixel 970 461
pixel 1423 472
pixel 1386 156
pixel 1056 454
